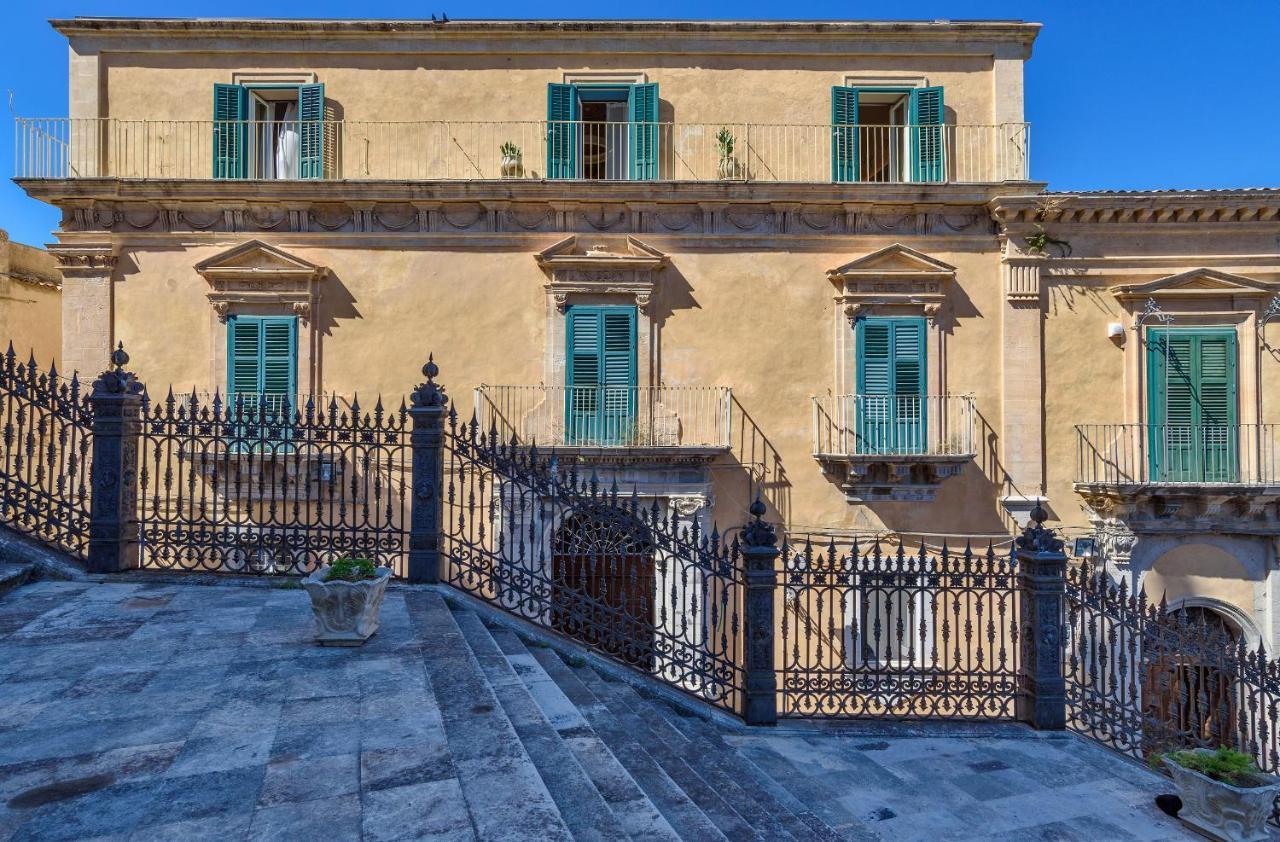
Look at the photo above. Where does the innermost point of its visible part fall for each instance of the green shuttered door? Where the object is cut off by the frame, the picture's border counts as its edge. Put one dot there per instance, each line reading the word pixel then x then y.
pixel 844 134
pixel 311 131
pixel 562 131
pixel 230 131
pixel 891 411
pixel 601 394
pixel 928 159
pixel 1192 402
pixel 642 111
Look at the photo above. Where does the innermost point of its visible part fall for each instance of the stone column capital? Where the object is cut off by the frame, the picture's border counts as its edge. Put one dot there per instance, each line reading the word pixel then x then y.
pixel 84 260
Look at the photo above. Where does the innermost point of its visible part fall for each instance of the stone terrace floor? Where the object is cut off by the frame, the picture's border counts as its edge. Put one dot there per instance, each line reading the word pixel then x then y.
pixel 176 711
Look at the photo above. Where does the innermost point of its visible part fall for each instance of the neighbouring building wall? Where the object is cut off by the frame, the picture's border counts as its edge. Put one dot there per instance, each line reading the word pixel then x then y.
pixel 30 301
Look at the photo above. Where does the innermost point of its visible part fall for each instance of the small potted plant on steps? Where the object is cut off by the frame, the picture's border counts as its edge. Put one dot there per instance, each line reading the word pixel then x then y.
pixel 1224 795
pixel 512 161
pixel 346 597
pixel 727 168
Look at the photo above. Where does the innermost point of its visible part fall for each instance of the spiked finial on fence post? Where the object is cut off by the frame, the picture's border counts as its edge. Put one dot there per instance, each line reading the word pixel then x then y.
pixel 760 679
pixel 1042 580
pixel 116 401
pixel 426 514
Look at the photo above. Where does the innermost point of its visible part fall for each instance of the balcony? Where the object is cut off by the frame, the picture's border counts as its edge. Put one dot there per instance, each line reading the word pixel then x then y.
pixel 893 447
pixel 1164 477
pixel 64 148
pixel 689 423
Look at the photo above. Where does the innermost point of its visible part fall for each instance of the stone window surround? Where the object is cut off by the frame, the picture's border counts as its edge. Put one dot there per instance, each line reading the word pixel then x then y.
pixel 257 279
pixel 604 77
pixel 604 273
pixel 917 286
pixel 1233 301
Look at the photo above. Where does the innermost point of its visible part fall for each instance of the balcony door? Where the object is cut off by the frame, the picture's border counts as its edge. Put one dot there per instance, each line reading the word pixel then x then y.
pixel 602 132
pixel 600 398
pixel 890 409
pixel 1193 433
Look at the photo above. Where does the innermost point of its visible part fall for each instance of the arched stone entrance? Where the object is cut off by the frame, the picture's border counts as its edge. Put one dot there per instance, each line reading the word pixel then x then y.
pixel 603 584
pixel 1188 683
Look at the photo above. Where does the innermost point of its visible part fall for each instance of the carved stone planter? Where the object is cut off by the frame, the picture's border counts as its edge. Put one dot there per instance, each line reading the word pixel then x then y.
pixel 1222 811
pixel 346 612
pixel 512 166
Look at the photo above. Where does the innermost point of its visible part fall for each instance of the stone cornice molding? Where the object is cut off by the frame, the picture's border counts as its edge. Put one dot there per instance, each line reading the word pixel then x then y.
pixel 892 276
pixel 1021 213
pixel 1197 284
pixel 258 274
pixel 84 259
pixel 605 267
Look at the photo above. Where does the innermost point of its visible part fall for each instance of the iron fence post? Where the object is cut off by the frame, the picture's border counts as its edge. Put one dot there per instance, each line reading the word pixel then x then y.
pixel 430 405
pixel 116 400
pixel 1042 577
pixel 760 679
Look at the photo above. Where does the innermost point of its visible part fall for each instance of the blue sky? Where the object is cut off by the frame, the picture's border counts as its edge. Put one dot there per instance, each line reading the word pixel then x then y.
pixel 1121 94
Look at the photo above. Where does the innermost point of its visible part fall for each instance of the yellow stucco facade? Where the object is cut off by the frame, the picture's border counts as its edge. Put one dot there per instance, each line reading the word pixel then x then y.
pixel 758 282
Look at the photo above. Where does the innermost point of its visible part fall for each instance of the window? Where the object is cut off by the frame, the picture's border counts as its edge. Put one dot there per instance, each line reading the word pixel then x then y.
pixel 887 134
pixel 268 131
pixel 895 614
pixel 891 407
pixel 600 393
pixel 1192 405
pixel 262 368
pixel 602 131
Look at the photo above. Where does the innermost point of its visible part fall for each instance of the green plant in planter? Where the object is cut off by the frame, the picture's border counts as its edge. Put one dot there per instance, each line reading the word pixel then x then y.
pixel 348 569
pixel 510 150
pixel 724 142
pixel 1224 765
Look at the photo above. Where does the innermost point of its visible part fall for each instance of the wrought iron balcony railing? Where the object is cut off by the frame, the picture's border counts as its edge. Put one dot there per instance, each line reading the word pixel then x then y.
pixel 893 425
pixel 1121 455
pixel 688 417
pixel 65 148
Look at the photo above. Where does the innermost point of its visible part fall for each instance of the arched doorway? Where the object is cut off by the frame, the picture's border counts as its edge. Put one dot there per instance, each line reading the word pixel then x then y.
pixel 603 591
pixel 1188 693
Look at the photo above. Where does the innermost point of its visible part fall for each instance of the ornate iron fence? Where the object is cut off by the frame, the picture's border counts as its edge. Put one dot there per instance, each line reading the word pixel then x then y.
pixel 619 574
pixel 261 486
pixel 1143 679
pixel 46 443
pixel 875 633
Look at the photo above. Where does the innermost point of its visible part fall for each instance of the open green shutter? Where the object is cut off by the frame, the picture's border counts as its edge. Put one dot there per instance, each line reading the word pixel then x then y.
pixel 927 115
pixel 844 134
pixel 562 131
pixel 311 131
pixel 642 112
pixel 230 131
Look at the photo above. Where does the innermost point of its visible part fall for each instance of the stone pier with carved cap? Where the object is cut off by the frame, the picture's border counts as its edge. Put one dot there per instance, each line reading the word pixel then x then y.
pixel 87 324
pixel 113 502
pixel 1042 582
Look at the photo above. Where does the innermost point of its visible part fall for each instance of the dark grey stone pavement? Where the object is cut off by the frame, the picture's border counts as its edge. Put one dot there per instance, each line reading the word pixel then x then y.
pixel 160 711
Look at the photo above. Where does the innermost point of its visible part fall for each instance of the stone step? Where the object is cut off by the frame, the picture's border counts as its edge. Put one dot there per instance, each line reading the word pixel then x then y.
pixel 506 797
pixel 634 810
pixel 671 755
pixel 581 805
pixel 681 811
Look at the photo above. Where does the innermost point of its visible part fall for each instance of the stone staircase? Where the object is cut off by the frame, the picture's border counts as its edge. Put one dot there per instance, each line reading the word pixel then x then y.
pixel 547 747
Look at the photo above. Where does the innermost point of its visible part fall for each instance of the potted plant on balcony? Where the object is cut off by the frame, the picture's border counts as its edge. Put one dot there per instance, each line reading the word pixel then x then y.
pixel 727 168
pixel 1224 795
pixel 346 597
pixel 512 161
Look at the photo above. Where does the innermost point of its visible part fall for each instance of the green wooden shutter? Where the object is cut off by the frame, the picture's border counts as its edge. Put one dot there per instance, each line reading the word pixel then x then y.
pixel 600 398
pixel 927 115
pixel 279 361
pixel 844 134
pixel 262 372
pixel 1192 405
pixel 311 131
pixel 642 112
pixel 244 349
pixel 230 131
pixel 891 384
pixel 562 131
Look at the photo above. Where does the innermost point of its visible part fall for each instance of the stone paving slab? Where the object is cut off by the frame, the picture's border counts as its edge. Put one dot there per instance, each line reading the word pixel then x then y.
pixel 145 710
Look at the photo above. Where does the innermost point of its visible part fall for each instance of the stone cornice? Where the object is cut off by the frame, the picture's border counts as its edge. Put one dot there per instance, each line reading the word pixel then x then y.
pixel 1021 213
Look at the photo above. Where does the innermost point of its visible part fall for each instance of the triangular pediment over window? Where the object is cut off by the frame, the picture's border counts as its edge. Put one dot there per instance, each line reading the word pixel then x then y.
pixel 261 276
pixel 622 267
pixel 895 260
pixel 258 258
pixel 893 277
pixel 1198 283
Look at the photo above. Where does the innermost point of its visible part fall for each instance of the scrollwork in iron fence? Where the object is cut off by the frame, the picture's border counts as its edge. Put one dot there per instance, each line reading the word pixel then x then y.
pixel 1143 679
pixel 910 635
pixel 259 485
pixel 626 576
pixel 45 450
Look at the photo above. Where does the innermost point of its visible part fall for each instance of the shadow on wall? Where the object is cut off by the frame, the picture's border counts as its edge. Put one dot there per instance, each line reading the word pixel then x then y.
pixel 759 466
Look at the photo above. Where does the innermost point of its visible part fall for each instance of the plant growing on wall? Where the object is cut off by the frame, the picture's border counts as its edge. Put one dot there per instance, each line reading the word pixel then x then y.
pixel 1041 240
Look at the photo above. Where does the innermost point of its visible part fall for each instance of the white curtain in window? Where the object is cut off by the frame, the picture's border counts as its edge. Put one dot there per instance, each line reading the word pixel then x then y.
pixel 287 144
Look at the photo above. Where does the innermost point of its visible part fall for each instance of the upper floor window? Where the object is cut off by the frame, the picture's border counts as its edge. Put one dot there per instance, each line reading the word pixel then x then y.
pixel 268 131
pixel 1192 404
pixel 887 134
pixel 603 131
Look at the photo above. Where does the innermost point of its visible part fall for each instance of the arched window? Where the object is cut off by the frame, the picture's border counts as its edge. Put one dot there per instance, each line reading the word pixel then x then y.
pixel 1188 694
pixel 603 594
